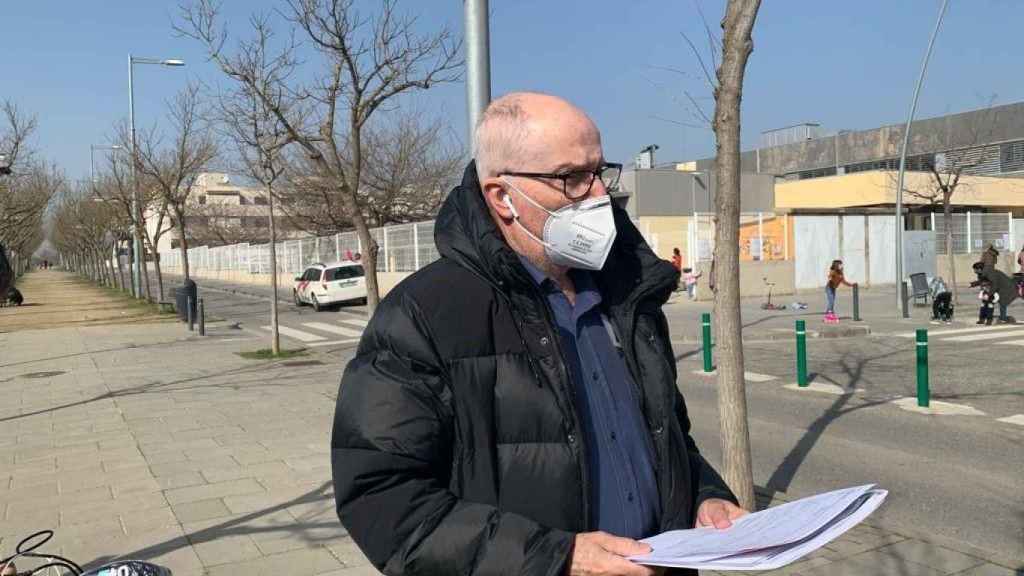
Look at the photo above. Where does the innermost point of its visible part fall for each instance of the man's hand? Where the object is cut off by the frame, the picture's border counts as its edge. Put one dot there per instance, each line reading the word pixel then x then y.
pixel 718 513
pixel 601 554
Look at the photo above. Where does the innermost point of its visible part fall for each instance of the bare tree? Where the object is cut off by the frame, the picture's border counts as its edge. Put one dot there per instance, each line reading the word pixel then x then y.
pixel 737 46
pixel 24 197
pixel 411 164
pixel 172 170
pixel 365 63
pixel 82 228
pixel 15 130
pixel 115 186
pixel 259 138
pixel 944 181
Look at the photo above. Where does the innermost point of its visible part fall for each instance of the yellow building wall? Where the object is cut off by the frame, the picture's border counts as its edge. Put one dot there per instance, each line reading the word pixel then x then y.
pixel 665 233
pixel 878 187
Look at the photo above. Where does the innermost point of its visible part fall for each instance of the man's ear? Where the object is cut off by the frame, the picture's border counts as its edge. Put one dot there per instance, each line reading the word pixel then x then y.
pixel 496 196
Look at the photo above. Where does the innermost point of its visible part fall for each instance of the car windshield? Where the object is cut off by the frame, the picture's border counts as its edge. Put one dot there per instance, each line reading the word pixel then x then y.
pixel 345 272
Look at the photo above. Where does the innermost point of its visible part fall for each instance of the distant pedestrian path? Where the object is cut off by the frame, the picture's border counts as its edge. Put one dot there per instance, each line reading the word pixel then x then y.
pixel 60 299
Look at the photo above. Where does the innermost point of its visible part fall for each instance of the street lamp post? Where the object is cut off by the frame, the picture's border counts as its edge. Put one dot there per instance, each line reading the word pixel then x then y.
pixel 901 303
pixel 478 62
pixel 138 260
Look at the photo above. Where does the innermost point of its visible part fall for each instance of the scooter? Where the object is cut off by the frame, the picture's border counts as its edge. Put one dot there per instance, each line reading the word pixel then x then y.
pixel 63 567
pixel 768 305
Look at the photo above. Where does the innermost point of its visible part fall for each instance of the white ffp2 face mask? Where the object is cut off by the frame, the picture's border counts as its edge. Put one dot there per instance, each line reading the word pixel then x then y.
pixel 579 235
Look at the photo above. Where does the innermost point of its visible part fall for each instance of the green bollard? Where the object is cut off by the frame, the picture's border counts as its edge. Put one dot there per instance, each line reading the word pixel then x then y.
pixel 801 354
pixel 705 320
pixel 923 394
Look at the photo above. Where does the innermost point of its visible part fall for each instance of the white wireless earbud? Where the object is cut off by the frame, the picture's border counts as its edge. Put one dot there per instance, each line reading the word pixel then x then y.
pixel 508 202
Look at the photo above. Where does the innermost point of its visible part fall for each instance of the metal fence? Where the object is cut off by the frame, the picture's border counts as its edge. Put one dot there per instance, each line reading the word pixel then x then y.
pixel 403 248
pixel 972 232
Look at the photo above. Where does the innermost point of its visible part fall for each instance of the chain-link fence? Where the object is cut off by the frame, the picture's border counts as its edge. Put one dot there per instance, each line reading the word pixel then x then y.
pixel 403 248
pixel 972 232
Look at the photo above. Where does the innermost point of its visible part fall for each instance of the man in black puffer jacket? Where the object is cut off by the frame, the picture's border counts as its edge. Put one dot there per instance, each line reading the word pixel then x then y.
pixel 512 408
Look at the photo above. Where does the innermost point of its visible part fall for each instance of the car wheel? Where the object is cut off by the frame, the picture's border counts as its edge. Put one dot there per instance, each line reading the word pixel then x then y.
pixel 295 296
pixel 316 303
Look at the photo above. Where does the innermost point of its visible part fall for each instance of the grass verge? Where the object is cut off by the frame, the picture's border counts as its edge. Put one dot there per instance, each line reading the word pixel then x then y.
pixel 268 354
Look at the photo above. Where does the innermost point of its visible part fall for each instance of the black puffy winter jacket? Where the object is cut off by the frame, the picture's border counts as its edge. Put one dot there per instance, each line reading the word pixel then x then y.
pixel 457 446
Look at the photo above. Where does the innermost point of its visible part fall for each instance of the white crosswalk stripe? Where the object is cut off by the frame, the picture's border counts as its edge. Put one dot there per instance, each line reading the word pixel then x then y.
pixel 353 320
pixel 749 376
pixel 333 343
pixel 977 337
pixel 1017 419
pixel 1011 343
pixel 334 329
pixel 296 334
pixel 942 333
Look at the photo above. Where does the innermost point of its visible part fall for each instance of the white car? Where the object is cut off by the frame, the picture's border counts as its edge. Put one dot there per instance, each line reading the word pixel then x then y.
pixel 325 284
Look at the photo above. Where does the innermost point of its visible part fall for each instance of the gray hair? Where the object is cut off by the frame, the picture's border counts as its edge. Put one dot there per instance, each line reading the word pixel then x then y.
pixel 501 135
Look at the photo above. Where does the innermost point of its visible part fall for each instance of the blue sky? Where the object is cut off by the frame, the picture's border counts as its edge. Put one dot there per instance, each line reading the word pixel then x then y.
pixel 847 65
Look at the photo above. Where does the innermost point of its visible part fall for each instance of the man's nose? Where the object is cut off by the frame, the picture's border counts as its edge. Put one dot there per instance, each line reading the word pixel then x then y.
pixel 597 189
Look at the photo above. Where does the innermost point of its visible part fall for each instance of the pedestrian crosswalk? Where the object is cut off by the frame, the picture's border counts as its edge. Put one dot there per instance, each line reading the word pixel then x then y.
pixel 1006 334
pixel 325 333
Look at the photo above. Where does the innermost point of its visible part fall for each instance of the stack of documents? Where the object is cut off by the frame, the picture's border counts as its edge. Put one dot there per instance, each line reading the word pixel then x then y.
pixel 768 539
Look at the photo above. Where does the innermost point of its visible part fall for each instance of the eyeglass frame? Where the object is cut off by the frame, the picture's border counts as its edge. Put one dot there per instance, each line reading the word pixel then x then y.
pixel 564 177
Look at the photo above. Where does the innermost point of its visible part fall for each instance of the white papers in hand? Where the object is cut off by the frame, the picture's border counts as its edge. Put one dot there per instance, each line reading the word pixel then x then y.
pixel 767 539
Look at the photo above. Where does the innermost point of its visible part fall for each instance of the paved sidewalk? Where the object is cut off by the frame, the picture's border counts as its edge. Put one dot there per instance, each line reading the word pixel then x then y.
pixel 142 440
pixel 57 298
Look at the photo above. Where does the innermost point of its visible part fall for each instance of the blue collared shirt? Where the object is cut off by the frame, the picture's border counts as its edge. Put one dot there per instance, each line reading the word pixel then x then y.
pixel 623 489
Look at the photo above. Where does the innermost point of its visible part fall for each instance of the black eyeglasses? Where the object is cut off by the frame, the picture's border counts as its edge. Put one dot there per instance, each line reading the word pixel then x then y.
pixel 577 183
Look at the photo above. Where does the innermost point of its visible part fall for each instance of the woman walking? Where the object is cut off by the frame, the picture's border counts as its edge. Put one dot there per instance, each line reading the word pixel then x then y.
pixel 836 278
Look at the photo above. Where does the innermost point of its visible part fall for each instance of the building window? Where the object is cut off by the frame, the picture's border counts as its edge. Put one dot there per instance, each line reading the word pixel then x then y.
pixel 1011 157
pixel 819 173
pixel 260 200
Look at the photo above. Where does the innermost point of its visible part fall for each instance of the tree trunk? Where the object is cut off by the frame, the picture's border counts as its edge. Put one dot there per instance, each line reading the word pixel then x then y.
pixel 155 241
pixel 109 264
pixel 159 276
pixel 120 267
pixel 370 247
pixel 947 219
pixel 275 336
pixel 369 261
pixel 179 219
pixel 732 400
pixel 143 268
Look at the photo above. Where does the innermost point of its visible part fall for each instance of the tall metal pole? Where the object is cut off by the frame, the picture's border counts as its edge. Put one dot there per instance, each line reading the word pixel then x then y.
pixel 478 62
pixel 900 303
pixel 136 212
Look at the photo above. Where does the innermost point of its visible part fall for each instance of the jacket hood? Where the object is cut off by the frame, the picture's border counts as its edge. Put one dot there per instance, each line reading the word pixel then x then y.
pixel 465 233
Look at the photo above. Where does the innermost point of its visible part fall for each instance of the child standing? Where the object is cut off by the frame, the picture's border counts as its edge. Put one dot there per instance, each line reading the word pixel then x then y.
pixel 690 281
pixel 989 298
pixel 836 278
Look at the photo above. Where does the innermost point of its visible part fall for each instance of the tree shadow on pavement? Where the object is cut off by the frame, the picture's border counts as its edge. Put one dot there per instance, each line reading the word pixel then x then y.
pixel 86 352
pixel 782 477
pixel 312 529
pixel 175 385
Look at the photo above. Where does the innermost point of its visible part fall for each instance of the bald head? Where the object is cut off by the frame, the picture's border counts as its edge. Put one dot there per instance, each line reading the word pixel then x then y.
pixel 530 131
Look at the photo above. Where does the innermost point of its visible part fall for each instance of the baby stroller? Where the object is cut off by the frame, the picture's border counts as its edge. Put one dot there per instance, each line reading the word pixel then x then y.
pixel 942 301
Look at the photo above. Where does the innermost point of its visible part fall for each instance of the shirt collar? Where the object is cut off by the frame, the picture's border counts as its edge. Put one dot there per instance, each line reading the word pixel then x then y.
pixel 587 294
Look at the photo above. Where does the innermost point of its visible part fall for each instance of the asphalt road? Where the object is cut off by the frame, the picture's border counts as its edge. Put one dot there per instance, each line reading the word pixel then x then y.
pixel 956 476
